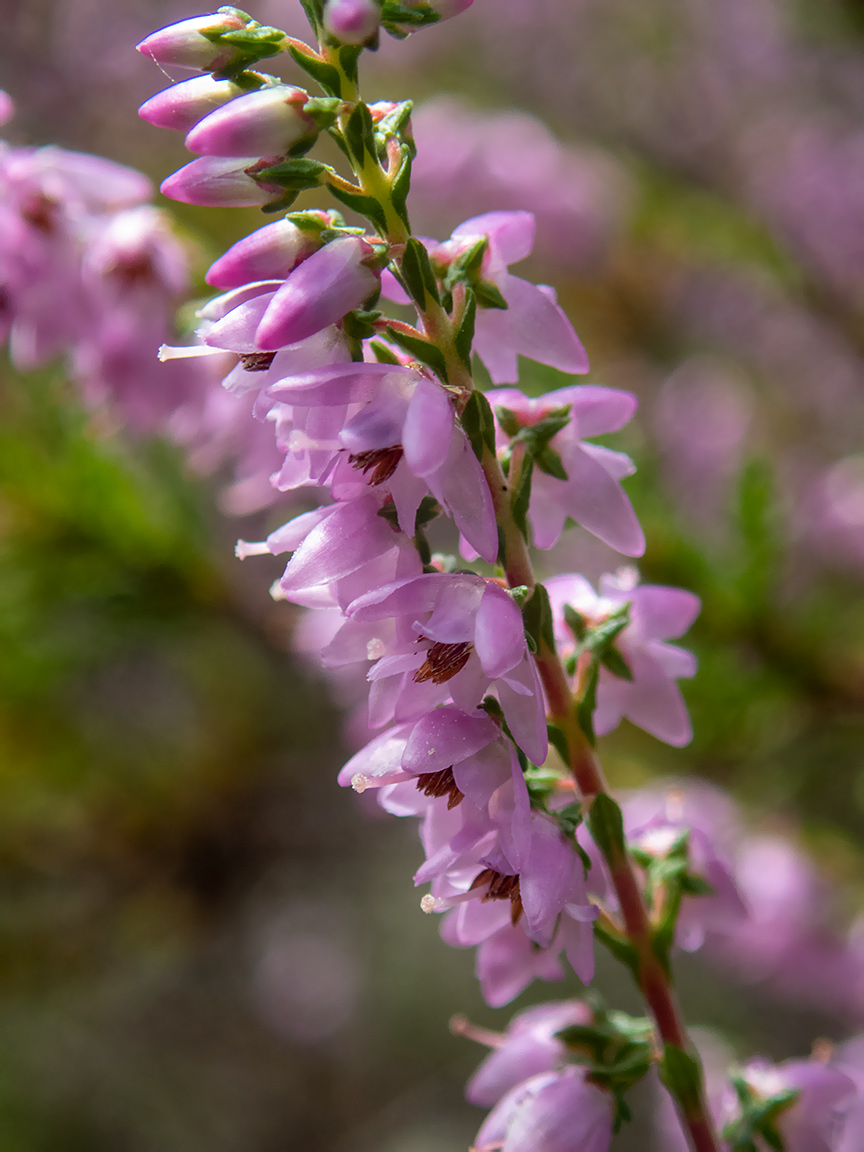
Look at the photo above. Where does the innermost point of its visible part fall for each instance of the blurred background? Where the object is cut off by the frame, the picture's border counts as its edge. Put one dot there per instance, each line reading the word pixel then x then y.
pixel 204 944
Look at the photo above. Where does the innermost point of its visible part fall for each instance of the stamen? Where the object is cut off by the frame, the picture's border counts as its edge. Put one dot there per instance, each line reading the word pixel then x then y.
pixel 442 662
pixel 428 904
pixel 257 361
pixel 382 462
pixel 500 887
pixel 441 783
pixel 360 783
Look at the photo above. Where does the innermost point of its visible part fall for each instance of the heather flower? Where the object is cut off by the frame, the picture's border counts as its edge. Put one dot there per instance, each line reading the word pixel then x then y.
pixel 656 819
pixel 813 1122
pixel 532 324
pixel 337 552
pixel 7 107
pixel 463 632
pixel 352 21
pixel 651 699
pixel 195 43
pixel 556 1111
pixel 507 962
pixel 592 494
pixel 271 252
pixel 394 429
pixel 217 182
pixel 528 1047
pixel 182 105
pixel 268 122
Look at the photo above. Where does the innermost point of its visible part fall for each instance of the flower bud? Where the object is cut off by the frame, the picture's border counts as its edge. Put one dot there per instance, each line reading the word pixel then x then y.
pixel 319 292
pixel 7 107
pixel 352 21
pixel 271 252
pixel 183 105
pixel 195 43
pixel 263 123
pixel 216 182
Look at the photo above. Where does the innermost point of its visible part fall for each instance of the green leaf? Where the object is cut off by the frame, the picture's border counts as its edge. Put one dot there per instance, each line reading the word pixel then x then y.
pixel 465 332
pixel 520 498
pixel 548 461
pixel 402 182
pixel 681 1072
pixel 537 615
pixel 558 740
pixel 367 206
pixel 421 350
pixel 508 421
pixel 586 706
pixel 606 825
pixel 576 622
pixel 479 423
pixel 294 175
pixel 417 273
pixel 359 134
pixel 614 662
pixel 383 354
pixel 324 74
pixel 488 296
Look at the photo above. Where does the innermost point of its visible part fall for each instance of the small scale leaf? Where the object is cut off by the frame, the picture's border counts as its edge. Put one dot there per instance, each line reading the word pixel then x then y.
pixel 479 423
pixel 586 706
pixel 421 350
pixel 521 496
pixel 558 740
pixel 606 825
pixel 614 662
pixel 360 134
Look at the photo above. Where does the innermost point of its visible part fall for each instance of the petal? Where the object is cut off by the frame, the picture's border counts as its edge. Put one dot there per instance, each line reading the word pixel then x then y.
pixel 598 502
pixel 446 737
pixel 499 632
pixel 428 428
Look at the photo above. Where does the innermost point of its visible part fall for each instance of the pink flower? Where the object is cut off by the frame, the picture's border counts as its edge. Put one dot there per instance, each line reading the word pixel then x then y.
pixel 552 1112
pixel 182 105
pixel 195 43
pixel 532 325
pixel 527 1048
pixel 814 1121
pixel 592 494
pixel 271 252
pixel 463 632
pixel 216 182
pixel 651 699
pixel 394 429
pixel 352 21
pixel 268 122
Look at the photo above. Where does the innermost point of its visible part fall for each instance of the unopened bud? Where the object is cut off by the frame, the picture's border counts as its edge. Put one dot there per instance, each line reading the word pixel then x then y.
pixel 195 43
pixel 216 182
pixel 268 122
pixel 352 21
pixel 183 105
pixel 271 252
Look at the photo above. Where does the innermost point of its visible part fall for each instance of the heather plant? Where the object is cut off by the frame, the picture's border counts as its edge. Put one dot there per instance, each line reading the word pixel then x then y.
pixel 488 689
pixel 433 477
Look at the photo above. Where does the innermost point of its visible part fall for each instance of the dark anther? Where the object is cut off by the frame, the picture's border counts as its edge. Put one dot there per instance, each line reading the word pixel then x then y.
pixel 257 361
pixel 440 784
pixel 442 662
pixel 382 462
pixel 501 887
